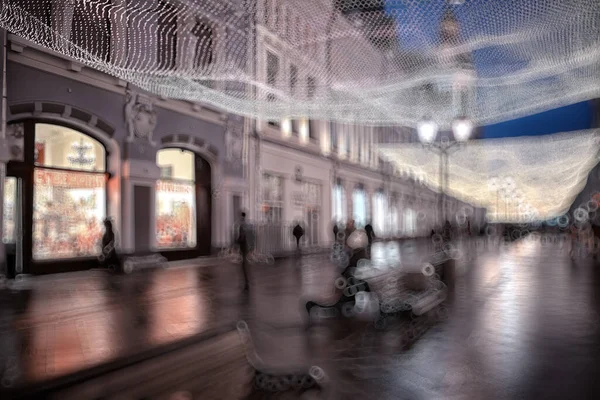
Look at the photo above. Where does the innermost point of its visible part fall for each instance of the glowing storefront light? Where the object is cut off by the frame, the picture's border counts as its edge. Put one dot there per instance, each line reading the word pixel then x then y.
pixel 176 200
pixel 338 204
pixel 359 203
pixel 380 211
pixel 69 198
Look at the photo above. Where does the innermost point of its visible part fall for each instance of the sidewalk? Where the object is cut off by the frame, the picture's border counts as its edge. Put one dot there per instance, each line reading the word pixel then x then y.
pixel 55 325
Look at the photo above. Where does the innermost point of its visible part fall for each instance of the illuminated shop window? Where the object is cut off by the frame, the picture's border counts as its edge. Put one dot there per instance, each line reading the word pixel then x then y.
pixel 10 210
pixel 272 198
pixel 380 214
pixel 176 200
pixel 312 211
pixel 69 193
pixel 359 203
pixel 339 214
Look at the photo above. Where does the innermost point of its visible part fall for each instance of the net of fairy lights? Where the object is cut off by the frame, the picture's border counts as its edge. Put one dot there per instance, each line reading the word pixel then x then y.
pixel 379 62
pixel 516 180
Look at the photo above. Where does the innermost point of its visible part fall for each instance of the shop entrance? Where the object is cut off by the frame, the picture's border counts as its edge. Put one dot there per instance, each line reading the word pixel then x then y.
pixel 183 204
pixel 54 201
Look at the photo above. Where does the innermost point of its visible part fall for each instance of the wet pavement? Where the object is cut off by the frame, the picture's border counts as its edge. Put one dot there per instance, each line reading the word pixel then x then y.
pixel 521 321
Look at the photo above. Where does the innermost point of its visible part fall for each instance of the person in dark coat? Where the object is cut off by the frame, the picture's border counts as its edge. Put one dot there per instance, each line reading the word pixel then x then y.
pixel 298 232
pixel 370 237
pixel 335 232
pixel 370 233
pixel 242 241
pixel 109 258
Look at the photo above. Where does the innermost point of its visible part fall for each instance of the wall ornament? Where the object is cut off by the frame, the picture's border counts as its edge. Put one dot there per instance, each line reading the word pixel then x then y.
pixel 140 117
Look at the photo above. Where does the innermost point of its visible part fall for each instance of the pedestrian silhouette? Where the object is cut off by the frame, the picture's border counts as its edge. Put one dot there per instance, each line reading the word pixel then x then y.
pixel 298 232
pixel 242 241
pixel 109 258
pixel 370 236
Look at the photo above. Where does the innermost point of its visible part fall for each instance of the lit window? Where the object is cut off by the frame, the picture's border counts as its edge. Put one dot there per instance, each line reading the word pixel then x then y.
pixel 359 202
pixel 176 200
pixel 339 214
pixel 272 198
pixel 69 194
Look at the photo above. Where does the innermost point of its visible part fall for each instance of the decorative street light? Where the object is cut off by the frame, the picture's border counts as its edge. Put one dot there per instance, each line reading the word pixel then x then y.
pixel 462 129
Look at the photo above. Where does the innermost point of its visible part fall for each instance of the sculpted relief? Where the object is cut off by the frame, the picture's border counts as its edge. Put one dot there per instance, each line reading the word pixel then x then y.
pixel 141 118
pixel 234 141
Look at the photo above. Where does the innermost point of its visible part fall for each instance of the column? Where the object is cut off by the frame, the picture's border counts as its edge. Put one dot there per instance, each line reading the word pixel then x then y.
pixel 139 194
pixel 349 191
pixel 4 148
pixel 370 204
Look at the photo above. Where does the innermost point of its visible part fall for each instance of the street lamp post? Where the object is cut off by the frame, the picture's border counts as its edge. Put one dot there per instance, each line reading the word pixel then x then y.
pixel 428 130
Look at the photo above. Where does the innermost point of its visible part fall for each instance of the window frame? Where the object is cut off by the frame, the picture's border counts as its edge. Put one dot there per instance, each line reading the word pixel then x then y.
pixel 55 264
pixel 194 202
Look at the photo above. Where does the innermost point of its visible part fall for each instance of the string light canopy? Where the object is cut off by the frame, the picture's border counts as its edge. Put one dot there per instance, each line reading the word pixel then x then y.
pixel 377 62
pixel 516 179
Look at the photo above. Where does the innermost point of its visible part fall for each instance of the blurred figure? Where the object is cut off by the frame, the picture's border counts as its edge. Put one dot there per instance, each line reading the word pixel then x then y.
pixel 298 232
pixel 335 231
pixel 242 241
pixel 109 258
pixel 370 237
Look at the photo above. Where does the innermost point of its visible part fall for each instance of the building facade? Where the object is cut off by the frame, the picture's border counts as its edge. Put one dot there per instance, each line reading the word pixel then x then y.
pixel 79 146
pixel 323 172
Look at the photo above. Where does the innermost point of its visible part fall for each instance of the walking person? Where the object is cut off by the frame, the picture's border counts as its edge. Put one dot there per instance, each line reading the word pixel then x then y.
pixel 242 241
pixel 109 258
pixel 298 232
pixel 370 236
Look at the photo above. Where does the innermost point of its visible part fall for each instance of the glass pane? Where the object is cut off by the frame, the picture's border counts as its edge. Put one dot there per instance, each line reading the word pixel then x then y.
pixel 61 147
pixel 272 188
pixel 175 215
pixel 179 163
pixel 10 211
pixel 68 210
pixel 360 208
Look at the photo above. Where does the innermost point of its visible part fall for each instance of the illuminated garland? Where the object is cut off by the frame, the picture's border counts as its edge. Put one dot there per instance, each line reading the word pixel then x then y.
pixel 514 179
pixel 529 56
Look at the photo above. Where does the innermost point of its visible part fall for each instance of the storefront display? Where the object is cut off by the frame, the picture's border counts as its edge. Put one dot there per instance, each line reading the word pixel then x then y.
pixel 176 223
pixel 175 215
pixel 9 210
pixel 68 210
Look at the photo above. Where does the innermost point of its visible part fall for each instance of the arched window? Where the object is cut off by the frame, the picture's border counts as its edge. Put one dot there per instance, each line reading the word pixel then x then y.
pixel 359 203
pixel 410 222
pixel 176 226
pixel 69 193
pixel 394 217
pixel 379 212
pixel 338 206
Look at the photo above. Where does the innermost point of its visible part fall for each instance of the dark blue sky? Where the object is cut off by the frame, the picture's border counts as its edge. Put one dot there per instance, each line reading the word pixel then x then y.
pixel 565 119
pixel 488 61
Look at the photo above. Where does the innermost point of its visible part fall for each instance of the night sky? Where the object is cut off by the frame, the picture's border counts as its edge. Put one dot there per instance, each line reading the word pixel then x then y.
pixel 487 61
